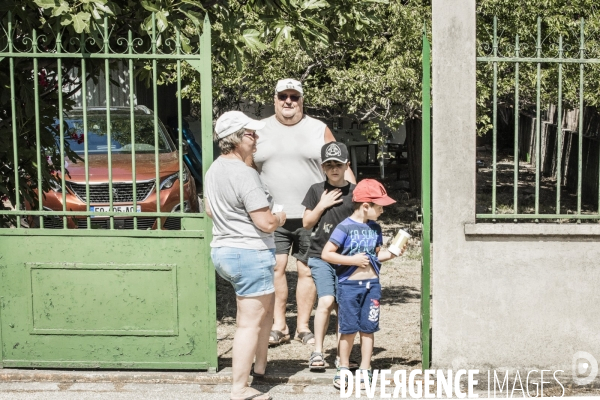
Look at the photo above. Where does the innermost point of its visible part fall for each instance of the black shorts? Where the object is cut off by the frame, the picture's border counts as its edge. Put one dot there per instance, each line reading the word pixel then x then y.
pixel 293 236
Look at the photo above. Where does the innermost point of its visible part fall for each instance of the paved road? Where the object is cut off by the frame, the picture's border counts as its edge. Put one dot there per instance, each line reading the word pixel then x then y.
pixel 150 391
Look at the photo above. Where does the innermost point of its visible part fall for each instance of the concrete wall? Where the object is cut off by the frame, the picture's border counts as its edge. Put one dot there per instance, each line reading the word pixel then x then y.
pixel 504 295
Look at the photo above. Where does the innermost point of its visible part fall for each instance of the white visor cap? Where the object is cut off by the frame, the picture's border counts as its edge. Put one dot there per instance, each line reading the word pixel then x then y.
pixel 232 121
pixel 285 84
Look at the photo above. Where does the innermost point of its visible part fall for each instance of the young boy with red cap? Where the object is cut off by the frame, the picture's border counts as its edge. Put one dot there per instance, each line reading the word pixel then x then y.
pixel 354 249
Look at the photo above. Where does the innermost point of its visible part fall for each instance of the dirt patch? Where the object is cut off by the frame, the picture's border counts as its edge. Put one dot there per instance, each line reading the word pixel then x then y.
pixel 397 344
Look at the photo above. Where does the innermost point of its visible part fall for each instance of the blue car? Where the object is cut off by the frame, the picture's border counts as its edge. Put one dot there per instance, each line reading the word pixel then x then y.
pixel 192 154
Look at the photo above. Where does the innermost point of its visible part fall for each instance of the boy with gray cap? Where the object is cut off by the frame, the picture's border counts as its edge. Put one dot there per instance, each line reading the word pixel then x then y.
pixel 327 204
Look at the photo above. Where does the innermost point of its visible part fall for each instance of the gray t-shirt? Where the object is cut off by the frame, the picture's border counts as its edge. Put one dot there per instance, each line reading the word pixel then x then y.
pixel 234 190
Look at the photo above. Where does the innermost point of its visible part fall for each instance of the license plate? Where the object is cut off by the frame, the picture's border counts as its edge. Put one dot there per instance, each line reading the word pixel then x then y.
pixel 116 209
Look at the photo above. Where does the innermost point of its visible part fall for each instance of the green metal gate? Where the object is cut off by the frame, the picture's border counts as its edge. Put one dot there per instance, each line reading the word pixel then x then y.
pixel 426 206
pixel 104 282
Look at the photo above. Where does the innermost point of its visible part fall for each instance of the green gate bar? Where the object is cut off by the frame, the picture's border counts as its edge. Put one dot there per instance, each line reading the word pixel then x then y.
pixel 132 125
pixel 516 148
pixel 11 62
pixel 559 128
pixel 61 129
pixel 108 122
pixel 495 117
pixel 540 59
pixel 426 204
pixel 580 141
pixel 538 123
pixel 36 94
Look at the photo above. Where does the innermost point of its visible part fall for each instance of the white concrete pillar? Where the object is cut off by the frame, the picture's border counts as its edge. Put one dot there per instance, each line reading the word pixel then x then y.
pixel 453 152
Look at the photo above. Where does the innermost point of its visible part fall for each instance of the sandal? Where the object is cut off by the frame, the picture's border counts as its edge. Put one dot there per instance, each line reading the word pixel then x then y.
pixel 337 379
pixel 353 364
pixel 305 337
pixel 254 396
pixel 363 385
pixel 277 337
pixel 316 361
pixel 255 374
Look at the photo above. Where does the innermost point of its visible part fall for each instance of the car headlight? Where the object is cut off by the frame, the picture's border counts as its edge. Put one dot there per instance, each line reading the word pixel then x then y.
pixel 56 186
pixel 170 180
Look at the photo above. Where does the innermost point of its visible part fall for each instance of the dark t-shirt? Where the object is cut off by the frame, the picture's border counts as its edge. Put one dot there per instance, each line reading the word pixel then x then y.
pixel 330 217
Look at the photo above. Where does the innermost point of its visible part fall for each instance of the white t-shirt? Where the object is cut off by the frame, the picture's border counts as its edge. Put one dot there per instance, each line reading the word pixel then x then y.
pixel 288 159
pixel 234 190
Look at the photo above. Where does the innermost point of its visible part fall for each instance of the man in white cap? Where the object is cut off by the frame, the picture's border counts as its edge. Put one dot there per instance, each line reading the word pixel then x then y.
pixel 288 158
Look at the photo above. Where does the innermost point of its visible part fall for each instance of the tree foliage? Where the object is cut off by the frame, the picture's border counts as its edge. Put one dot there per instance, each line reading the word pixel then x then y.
pixel 374 79
pixel 240 30
pixel 557 18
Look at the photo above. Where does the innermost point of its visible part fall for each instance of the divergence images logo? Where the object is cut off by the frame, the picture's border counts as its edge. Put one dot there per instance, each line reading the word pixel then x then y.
pixel 585 368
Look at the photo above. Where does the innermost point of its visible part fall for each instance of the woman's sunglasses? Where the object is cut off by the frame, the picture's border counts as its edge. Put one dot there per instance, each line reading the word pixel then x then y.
pixel 253 135
pixel 284 97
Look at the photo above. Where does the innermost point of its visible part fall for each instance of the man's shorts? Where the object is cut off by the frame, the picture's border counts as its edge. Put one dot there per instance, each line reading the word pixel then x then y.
pixel 250 272
pixel 293 235
pixel 324 277
pixel 359 305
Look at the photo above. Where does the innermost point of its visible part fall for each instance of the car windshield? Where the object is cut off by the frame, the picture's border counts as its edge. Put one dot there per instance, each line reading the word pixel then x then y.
pixel 120 130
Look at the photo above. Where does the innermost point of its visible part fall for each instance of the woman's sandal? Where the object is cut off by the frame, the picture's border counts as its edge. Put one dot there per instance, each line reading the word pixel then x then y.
pixel 353 364
pixel 316 361
pixel 255 374
pixel 277 337
pixel 337 379
pixel 305 337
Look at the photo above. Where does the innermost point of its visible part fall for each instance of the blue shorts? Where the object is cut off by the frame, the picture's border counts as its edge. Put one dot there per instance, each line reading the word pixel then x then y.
pixel 324 277
pixel 250 272
pixel 359 305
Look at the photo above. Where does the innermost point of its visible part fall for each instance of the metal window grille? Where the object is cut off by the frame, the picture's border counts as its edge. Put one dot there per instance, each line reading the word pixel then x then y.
pixel 515 56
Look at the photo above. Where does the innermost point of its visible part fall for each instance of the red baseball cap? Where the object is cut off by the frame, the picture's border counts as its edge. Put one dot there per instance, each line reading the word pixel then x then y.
pixel 371 191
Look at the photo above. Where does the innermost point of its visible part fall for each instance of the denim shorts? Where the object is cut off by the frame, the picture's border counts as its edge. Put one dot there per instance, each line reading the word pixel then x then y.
pixel 324 277
pixel 359 305
pixel 293 235
pixel 250 272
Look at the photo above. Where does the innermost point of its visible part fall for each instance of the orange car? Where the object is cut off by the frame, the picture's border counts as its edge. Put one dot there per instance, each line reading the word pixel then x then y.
pixel 122 188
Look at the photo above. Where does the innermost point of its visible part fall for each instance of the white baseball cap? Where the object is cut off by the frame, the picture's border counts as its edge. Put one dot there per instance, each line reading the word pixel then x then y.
pixel 288 83
pixel 233 121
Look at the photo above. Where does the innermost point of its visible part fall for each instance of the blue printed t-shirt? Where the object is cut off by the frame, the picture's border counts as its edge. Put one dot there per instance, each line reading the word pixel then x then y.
pixel 353 237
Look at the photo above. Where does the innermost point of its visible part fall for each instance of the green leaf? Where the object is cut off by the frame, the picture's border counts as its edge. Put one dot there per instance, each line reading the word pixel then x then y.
pixel 192 16
pixel 149 6
pixel 250 37
pixel 81 21
pixel 283 35
pixel 102 7
pixel 147 24
pixel 61 9
pixel 194 3
pixel 313 4
pixel 161 20
pixel 66 19
pixel 45 3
